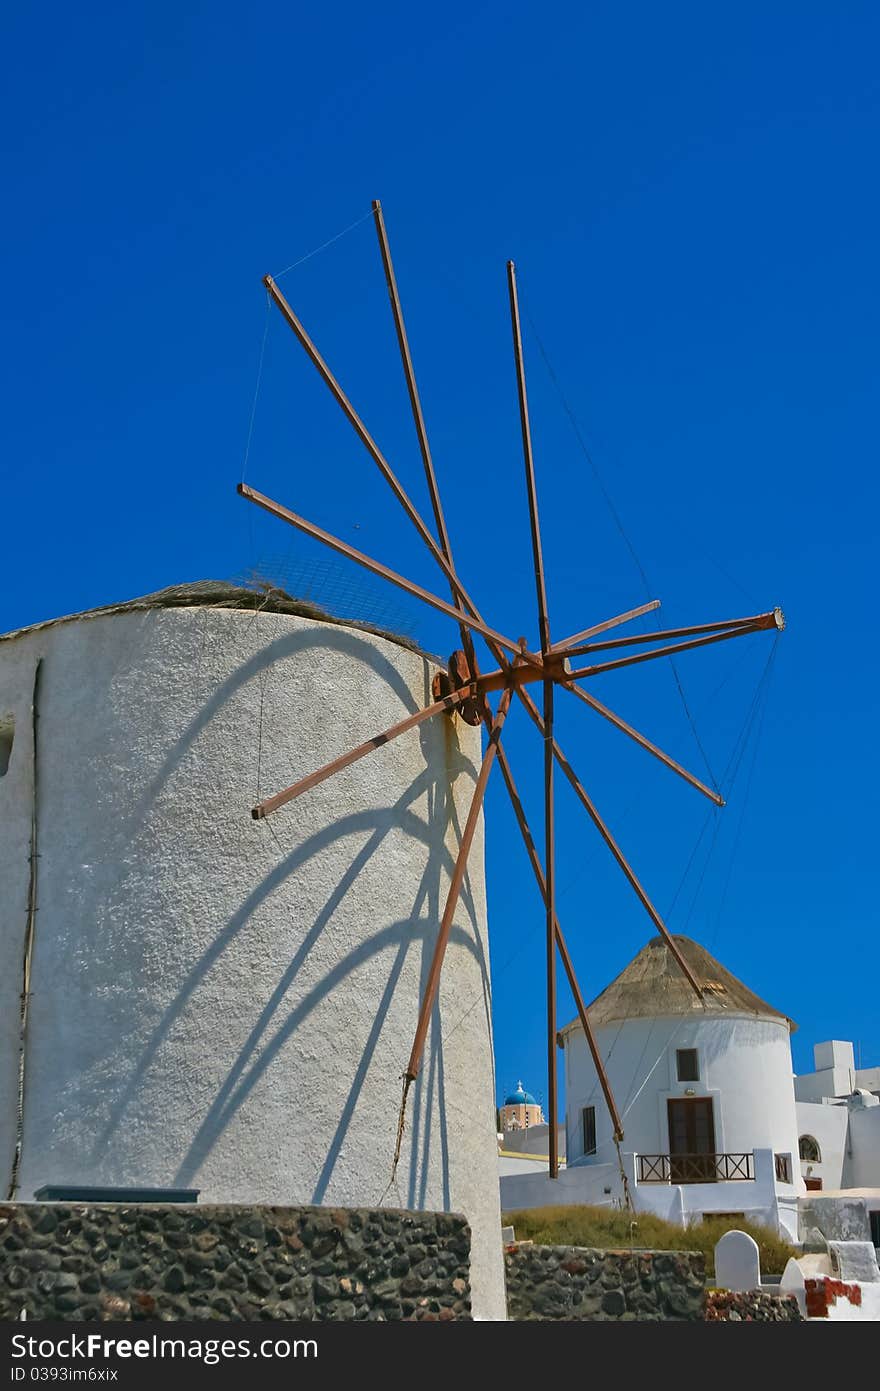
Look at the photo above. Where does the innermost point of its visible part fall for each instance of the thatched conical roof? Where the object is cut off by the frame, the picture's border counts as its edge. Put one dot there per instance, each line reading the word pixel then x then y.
pixel 653 985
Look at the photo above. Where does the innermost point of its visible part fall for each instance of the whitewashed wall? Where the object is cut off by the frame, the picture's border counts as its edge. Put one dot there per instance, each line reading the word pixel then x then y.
pixel 834 1075
pixel 862 1169
pixel 223 1003
pixel 745 1066
pixel 525 1184
pixel 828 1126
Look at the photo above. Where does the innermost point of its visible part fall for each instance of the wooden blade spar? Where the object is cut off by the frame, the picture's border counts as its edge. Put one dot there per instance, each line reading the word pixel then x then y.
pixel 467 644
pixel 671 650
pixel 544 631
pixel 606 835
pixel 411 386
pixel 568 644
pixel 458 873
pixel 377 568
pixel 535 862
pixel 773 619
pixel 467 641
pixel 280 799
pixel 481 686
pixel 550 906
pixel 531 489
pixel 362 432
pixel 644 743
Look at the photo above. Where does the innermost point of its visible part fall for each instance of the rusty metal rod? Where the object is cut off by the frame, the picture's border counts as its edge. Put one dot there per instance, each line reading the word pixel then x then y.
pixel 644 743
pixel 534 860
pixel 377 568
pixel 568 643
pixel 759 621
pixel 618 854
pixel 458 873
pixel 583 672
pixel 363 434
pixel 280 799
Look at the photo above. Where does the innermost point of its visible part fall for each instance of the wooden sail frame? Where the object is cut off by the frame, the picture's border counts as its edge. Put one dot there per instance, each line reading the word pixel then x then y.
pixel 468 689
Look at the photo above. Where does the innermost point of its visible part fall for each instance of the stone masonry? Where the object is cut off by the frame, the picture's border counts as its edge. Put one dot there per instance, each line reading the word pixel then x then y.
pixel 571 1282
pixel 115 1261
pixel 751 1306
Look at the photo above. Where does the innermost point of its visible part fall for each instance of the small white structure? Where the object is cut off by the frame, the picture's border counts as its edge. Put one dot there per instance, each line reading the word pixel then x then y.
pixel 854 1260
pixel 838 1112
pixel 794 1282
pixel 222 1003
pixel 705 1090
pixel 737 1262
pixel 836 1074
pixel 716 1123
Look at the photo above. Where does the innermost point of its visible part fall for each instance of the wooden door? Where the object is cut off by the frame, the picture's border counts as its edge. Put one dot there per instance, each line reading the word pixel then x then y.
pixel 691 1140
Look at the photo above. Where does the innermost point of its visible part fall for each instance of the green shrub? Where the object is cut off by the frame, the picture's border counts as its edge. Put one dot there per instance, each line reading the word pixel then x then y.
pixel 612 1228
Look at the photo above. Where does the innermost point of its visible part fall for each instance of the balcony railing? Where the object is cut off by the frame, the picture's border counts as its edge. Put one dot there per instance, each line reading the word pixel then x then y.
pixel 695 1168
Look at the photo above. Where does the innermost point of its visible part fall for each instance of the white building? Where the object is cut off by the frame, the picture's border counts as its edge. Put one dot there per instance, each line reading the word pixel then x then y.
pixel 838 1111
pixel 225 1003
pixel 707 1097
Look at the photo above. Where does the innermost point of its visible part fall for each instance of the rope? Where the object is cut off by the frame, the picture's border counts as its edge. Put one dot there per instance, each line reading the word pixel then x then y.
pixel 713 811
pixel 324 244
pixel 624 1179
pixel 638 1065
pixel 247 448
pixel 757 698
pixel 401 1123
pixel 696 894
pixel 752 766
pixel 728 782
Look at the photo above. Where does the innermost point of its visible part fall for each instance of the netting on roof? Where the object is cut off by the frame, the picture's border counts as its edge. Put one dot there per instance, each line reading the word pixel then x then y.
pixel 264 598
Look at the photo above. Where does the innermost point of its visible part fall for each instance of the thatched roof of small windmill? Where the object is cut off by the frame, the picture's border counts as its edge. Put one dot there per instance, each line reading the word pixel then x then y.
pixel 222 594
pixel 653 985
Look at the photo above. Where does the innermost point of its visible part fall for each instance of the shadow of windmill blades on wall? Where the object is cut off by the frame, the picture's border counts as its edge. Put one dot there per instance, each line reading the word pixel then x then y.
pixel 245 1073
pixel 380 822
pixel 341 642
pixel 248 1069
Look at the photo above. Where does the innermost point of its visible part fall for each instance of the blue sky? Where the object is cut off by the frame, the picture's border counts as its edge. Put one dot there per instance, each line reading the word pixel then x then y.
pixel 690 195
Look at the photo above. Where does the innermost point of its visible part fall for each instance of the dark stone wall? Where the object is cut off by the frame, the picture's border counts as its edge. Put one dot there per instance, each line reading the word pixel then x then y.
pixel 751 1306
pixel 571 1282
pixel 155 1261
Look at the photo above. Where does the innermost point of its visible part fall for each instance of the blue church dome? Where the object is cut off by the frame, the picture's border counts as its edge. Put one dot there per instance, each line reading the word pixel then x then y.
pixel 520 1097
